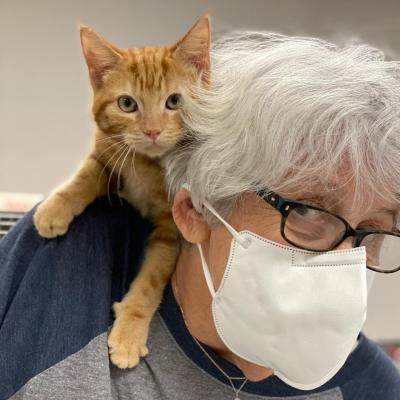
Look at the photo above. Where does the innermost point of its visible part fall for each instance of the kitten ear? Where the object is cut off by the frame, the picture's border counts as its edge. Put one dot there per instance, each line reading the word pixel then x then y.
pixel 194 47
pixel 101 56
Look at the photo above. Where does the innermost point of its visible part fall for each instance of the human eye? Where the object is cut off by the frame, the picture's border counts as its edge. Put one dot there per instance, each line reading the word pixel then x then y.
pixel 311 214
pixel 307 222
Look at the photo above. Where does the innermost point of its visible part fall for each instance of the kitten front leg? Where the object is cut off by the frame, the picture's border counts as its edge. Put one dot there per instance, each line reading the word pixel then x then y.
pixel 53 217
pixel 128 337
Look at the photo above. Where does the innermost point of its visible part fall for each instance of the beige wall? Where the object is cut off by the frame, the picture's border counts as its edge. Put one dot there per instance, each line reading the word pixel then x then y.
pixel 45 124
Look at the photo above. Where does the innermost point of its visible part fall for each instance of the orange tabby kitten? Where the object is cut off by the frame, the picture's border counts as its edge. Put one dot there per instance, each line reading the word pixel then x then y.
pixel 138 98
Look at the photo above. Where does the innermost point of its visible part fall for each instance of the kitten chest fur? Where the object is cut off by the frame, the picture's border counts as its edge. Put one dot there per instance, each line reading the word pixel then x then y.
pixel 143 186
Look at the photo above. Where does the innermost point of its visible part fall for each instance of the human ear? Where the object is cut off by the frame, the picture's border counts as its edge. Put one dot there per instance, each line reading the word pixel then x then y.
pixel 191 223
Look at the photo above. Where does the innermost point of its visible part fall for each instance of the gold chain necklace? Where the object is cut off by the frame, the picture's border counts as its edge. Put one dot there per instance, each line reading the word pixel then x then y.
pixel 230 378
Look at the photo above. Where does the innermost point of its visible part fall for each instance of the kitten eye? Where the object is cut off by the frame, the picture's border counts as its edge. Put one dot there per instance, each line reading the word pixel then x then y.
pixel 127 104
pixel 174 101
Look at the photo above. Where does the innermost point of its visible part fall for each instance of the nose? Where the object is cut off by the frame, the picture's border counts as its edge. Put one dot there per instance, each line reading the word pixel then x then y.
pixel 152 133
pixel 346 244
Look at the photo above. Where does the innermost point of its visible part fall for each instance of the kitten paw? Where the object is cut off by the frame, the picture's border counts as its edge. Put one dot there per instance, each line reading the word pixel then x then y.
pixel 53 217
pixel 127 341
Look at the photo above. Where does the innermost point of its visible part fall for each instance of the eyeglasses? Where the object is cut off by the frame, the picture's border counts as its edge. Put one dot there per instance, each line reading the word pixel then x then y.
pixel 315 229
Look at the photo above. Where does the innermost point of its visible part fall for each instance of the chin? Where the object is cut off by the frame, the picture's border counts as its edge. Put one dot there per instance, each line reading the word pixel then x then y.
pixel 154 152
pixel 256 376
pixel 251 371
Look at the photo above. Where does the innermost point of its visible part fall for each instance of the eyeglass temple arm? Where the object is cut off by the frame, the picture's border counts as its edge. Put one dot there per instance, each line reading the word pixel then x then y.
pixel 271 198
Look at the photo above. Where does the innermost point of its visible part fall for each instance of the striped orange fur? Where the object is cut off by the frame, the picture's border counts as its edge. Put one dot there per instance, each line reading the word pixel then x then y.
pixel 125 157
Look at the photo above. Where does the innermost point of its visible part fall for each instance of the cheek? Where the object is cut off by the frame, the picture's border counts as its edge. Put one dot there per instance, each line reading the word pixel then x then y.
pixel 221 239
pixel 255 216
pixel 171 123
pixel 136 123
pixel 113 121
pixel 266 226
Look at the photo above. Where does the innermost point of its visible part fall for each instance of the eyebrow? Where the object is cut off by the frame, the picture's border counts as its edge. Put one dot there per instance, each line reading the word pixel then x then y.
pixel 390 211
pixel 394 213
pixel 320 200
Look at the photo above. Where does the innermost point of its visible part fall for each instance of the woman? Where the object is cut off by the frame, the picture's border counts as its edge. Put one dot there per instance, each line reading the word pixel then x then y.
pixel 286 197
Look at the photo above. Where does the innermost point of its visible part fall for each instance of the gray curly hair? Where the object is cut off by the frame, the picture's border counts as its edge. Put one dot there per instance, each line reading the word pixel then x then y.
pixel 287 111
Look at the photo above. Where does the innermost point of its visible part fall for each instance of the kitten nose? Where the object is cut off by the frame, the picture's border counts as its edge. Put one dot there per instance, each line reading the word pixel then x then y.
pixel 152 133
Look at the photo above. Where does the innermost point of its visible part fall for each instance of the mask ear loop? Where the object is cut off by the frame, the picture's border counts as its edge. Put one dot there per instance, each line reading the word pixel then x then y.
pixel 206 271
pixel 233 232
pixel 242 241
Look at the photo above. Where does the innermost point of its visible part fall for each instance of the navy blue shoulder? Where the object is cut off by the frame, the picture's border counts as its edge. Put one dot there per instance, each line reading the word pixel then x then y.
pixel 55 295
pixel 378 379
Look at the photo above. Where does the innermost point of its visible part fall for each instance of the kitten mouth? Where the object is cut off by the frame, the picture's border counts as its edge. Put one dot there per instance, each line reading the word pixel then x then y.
pixel 151 147
pixel 155 145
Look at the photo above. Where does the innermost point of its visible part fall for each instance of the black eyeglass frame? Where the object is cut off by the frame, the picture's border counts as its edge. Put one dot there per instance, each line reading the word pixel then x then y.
pixel 285 206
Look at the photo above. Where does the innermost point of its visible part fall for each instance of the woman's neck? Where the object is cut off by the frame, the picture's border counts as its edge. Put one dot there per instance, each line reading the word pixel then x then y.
pixel 192 295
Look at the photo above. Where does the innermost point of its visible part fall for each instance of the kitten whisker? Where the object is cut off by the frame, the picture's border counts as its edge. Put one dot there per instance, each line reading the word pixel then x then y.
pixel 132 162
pixel 131 144
pixel 122 165
pixel 105 166
pixel 104 169
pixel 108 148
pixel 110 137
pixel 121 152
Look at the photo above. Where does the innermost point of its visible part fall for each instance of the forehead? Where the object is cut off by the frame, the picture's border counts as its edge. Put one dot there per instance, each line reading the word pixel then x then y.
pixel 153 68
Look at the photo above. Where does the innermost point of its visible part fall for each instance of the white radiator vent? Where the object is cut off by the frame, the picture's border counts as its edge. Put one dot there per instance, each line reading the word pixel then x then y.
pixel 13 206
pixel 8 220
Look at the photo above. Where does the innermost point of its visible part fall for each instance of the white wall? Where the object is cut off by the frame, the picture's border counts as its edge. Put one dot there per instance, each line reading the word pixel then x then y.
pixel 45 124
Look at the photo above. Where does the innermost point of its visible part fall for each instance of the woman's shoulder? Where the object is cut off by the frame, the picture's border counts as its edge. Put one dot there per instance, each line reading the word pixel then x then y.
pixel 56 295
pixel 372 375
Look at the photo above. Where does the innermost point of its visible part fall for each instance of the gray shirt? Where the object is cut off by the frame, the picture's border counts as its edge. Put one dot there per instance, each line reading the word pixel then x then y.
pixel 166 373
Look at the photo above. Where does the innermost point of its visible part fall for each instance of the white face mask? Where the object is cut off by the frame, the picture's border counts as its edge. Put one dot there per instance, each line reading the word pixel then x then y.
pixel 295 311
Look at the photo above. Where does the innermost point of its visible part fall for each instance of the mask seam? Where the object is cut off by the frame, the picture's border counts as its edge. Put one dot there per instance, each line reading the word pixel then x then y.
pixel 228 268
pixel 221 286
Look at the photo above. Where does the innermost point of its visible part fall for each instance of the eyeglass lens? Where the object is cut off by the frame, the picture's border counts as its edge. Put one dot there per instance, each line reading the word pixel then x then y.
pixel 321 231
